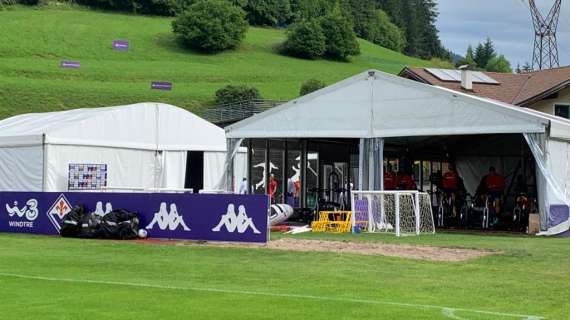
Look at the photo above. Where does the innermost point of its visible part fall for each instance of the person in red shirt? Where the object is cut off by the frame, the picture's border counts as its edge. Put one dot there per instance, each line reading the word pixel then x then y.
pixel 406 181
pixel 390 179
pixel 451 185
pixel 493 185
pixel 272 187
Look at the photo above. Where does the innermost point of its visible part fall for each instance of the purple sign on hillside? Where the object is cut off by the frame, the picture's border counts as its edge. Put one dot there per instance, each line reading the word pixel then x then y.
pixel 121 45
pixel 211 217
pixel 70 64
pixel 161 85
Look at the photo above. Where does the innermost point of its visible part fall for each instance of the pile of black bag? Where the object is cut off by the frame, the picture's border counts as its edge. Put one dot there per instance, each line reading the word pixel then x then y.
pixel 117 224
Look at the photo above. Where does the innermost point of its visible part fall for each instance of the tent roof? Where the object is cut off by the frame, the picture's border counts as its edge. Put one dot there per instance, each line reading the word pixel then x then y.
pixel 376 104
pixel 149 126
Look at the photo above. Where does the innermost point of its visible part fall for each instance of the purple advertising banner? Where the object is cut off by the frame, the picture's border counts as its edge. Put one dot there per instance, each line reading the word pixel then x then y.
pixel 121 45
pixel 161 85
pixel 211 217
pixel 70 64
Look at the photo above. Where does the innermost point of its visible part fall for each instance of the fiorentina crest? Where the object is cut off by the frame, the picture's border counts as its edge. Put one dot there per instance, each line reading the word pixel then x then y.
pixel 58 210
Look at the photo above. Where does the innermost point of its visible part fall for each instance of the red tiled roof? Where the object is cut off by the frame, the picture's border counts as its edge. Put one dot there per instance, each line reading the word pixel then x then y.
pixel 518 89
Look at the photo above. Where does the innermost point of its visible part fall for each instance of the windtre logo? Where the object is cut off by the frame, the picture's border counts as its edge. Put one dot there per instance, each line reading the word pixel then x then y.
pixel 27 212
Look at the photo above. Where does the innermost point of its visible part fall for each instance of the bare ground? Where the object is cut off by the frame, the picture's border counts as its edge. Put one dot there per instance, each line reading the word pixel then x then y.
pixel 428 253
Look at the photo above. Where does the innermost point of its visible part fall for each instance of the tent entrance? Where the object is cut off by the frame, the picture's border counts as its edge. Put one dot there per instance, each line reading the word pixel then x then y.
pixel 310 173
pixel 194 171
pixel 427 159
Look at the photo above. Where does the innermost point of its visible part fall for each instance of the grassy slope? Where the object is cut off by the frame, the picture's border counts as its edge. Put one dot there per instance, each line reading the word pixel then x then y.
pixel 530 278
pixel 34 41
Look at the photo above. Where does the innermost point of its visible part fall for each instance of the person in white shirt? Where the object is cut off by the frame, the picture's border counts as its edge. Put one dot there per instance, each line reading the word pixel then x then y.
pixel 243 189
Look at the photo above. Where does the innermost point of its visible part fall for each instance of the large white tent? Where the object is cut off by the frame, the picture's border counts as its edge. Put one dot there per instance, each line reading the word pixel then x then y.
pixel 373 106
pixel 144 145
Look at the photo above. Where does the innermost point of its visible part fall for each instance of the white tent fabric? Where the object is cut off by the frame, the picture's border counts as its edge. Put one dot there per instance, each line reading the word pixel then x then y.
pixel 374 104
pixel 143 145
pixel 144 126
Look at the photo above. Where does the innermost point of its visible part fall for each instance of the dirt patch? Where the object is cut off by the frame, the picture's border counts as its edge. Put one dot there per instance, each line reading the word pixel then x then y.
pixel 379 249
pixel 363 248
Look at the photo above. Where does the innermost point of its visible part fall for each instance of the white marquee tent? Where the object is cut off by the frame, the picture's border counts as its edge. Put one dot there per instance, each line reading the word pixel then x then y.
pixel 374 105
pixel 144 145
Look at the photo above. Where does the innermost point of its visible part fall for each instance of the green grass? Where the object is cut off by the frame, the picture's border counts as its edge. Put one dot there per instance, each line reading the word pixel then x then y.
pixel 34 41
pixel 200 282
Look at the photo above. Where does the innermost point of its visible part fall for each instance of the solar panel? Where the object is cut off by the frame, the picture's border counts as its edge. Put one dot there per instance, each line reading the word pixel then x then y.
pixel 455 76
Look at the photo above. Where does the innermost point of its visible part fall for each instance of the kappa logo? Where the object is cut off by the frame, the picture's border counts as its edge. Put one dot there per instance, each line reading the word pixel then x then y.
pixel 168 220
pixel 240 222
pixel 99 208
pixel 58 210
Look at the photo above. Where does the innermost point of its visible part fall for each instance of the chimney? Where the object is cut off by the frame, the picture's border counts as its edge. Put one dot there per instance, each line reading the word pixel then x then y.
pixel 466 78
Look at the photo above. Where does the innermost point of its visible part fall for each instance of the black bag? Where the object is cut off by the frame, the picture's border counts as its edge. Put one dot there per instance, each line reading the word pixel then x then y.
pixel 71 224
pixel 119 224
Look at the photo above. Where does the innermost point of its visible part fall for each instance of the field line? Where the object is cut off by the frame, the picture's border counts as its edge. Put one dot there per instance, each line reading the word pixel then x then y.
pixel 447 311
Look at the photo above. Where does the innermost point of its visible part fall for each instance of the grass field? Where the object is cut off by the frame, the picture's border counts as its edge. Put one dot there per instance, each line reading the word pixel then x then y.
pixel 54 278
pixel 34 41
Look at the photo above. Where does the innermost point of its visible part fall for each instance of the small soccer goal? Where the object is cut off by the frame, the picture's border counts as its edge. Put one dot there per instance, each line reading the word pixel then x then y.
pixel 398 212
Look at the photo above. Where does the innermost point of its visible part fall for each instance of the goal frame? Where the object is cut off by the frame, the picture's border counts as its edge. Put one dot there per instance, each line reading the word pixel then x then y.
pixel 416 207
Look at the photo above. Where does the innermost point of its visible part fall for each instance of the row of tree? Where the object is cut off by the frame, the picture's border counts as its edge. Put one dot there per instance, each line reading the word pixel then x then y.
pixel 402 25
pixel 486 58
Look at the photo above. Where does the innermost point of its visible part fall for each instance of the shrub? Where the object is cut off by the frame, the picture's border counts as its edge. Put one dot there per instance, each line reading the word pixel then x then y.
pixel 340 37
pixel 311 85
pixel 161 7
pixel 232 94
pixel 499 64
pixel 6 3
pixel 211 26
pixel 305 40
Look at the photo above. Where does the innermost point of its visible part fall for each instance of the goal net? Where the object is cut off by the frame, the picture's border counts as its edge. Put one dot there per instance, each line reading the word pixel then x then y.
pixel 399 212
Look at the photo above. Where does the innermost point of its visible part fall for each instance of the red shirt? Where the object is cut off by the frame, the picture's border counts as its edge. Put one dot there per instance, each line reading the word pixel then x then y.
pixel 272 188
pixel 406 182
pixel 450 180
pixel 389 180
pixel 495 182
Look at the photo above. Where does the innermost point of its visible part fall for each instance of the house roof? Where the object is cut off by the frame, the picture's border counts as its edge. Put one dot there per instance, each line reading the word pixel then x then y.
pixel 517 89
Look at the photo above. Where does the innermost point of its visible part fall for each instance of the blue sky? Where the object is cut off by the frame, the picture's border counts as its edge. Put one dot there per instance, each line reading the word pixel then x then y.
pixel 507 22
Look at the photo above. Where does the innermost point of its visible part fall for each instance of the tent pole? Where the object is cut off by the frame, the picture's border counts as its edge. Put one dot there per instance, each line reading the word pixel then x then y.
pixel 303 173
pixel 371 147
pixel 361 165
pixel 380 166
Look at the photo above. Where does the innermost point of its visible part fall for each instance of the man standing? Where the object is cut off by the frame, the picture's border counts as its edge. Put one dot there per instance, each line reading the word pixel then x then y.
pixel 272 188
pixel 243 188
pixel 389 178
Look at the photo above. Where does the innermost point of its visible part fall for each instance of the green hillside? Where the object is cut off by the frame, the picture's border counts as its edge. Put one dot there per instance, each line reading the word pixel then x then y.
pixel 34 41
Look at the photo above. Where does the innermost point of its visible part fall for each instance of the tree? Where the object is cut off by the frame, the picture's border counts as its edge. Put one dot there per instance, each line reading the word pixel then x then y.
pixel 310 9
pixel 211 26
pixel 340 37
pixel 416 19
pixel 499 64
pixel 311 85
pixel 468 60
pixel 305 39
pixel 383 32
pixel 484 53
pixel 233 94
pixel 268 12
